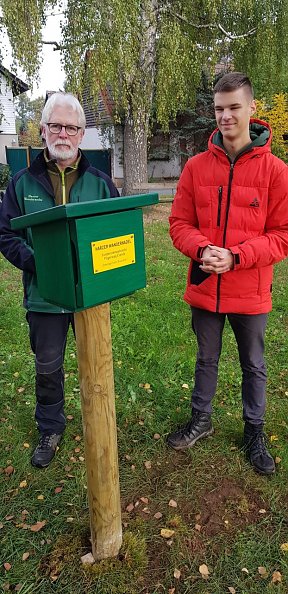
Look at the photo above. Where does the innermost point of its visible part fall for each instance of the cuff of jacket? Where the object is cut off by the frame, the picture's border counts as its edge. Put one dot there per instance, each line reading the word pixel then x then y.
pixel 236 259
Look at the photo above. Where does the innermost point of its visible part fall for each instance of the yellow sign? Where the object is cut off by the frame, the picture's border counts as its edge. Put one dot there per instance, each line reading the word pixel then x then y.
pixel 113 253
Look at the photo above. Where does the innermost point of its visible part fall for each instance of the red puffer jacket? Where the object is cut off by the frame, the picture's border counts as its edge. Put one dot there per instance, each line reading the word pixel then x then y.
pixel 241 206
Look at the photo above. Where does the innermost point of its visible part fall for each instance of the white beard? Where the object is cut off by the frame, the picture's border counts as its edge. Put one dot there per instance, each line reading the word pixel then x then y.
pixel 59 154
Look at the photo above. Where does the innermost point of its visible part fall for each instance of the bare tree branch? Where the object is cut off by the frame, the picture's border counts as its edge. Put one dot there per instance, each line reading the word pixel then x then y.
pixel 57 45
pixel 214 26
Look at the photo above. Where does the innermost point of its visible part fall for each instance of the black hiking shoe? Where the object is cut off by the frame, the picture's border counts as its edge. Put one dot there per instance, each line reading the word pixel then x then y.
pixel 256 451
pixel 45 450
pixel 199 426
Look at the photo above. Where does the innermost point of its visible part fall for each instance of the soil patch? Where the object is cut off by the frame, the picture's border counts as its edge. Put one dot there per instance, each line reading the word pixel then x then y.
pixel 157 213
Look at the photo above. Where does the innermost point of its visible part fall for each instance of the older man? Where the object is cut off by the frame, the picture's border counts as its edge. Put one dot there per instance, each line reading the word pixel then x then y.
pixel 60 174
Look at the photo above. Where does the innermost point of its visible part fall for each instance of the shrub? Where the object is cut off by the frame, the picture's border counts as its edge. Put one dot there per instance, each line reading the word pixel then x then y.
pixel 5 176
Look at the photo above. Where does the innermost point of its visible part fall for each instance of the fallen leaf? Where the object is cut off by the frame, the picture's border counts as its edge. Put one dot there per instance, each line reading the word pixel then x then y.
pixel 130 507
pixel 166 533
pixel 276 577
pixel 171 591
pixel 88 558
pixel 146 386
pixel 77 450
pixel 18 588
pixel 277 460
pixel 263 572
pixel 58 490
pixel 144 500
pixel 77 438
pixel 26 445
pixel 185 386
pixel 172 503
pixel 7 566
pixel 1 525
pixel 69 520
pixel 38 526
pixel 146 510
pixel 9 518
pixel 203 569
pixel 262 511
pixel 9 470
pixel 70 417
pixel 177 574
pixel 273 438
pixel 198 527
pixel 232 590
pixel 284 547
pixel 25 556
pixel 245 570
pixel 40 497
pixel 157 516
pixel 156 436
pixel 20 390
pixel 148 464
pixel 23 484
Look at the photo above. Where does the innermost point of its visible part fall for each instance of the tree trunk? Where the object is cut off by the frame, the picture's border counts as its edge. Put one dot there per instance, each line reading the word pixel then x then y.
pixel 141 85
pixel 135 158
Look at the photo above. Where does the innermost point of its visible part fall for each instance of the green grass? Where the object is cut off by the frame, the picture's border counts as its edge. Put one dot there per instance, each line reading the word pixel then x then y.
pixel 213 485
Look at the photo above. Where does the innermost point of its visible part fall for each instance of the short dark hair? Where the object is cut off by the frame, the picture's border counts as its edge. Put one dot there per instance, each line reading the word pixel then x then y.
pixel 233 81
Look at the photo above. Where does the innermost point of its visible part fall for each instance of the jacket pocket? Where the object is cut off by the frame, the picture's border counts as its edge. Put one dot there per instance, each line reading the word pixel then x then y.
pixel 197 275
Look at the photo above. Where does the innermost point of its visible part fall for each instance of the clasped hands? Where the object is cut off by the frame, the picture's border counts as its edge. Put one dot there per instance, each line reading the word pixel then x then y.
pixel 216 259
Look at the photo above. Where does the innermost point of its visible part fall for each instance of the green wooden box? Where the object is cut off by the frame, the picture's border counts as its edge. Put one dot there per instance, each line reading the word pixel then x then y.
pixel 90 252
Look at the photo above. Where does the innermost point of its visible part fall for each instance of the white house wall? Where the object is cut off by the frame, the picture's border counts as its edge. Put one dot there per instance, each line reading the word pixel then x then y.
pixel 164 169
pixel 7 109
pixel 93 139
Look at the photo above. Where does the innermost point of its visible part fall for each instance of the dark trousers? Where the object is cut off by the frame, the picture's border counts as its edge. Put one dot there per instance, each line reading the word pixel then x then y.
pixel 249 331
pixel 48 335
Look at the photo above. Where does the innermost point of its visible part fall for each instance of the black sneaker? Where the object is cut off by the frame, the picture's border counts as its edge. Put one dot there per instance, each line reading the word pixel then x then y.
pixel 256 450
pixel 199 426
pixel 45 450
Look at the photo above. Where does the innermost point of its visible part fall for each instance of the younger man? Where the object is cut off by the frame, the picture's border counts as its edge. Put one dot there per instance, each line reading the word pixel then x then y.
pixel 230 217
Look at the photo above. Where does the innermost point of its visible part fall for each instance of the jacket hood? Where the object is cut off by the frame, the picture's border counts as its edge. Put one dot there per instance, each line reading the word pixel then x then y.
pixel 260 134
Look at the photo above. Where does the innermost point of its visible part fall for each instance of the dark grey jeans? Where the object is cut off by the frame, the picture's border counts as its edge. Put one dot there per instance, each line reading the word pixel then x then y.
pixel 48 334
pixel 249 331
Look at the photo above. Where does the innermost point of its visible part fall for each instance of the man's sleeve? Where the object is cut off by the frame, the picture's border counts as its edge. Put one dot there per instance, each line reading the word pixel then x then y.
pixel 271 246
pixel 184 226
pixel 12 244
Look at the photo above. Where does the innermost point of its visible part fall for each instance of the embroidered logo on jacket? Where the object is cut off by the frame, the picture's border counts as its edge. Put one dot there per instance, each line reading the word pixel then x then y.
pixel 33 198
pixel 254 203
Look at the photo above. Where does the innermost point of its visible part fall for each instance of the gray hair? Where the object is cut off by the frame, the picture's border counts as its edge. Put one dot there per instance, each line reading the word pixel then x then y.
pixel 63 99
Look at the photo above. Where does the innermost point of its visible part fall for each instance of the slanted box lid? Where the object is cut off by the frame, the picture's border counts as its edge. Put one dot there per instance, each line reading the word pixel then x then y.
pixel 84 209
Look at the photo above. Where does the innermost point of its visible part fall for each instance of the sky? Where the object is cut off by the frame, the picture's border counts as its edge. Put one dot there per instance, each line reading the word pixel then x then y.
pixel 51 73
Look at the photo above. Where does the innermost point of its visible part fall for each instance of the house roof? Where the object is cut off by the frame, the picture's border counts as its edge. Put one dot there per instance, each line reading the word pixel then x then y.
pixel 18 86
pixel 102 112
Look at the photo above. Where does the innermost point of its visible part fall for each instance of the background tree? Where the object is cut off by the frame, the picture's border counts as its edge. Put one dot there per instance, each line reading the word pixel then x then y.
pixel 153 49
pixel 276 113
pixel 28 116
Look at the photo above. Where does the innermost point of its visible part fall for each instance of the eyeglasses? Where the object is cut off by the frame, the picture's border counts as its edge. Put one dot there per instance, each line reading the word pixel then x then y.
pixel 56 129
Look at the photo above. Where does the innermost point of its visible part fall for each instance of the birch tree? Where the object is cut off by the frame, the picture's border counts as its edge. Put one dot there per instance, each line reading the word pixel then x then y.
pixel 151 53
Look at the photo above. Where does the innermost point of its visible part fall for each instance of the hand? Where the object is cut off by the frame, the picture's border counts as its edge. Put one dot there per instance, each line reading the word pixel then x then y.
pixel 216 260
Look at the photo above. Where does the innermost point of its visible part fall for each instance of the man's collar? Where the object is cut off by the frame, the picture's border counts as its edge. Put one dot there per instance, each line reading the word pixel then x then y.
pixel 52 163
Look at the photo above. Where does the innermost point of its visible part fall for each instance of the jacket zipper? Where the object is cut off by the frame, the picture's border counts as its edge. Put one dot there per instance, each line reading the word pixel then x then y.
pixel 220 192
pixel 62 173
pixel 225 227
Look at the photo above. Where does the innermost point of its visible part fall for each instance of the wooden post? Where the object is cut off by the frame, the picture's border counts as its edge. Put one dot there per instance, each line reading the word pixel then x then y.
pixel 95 364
